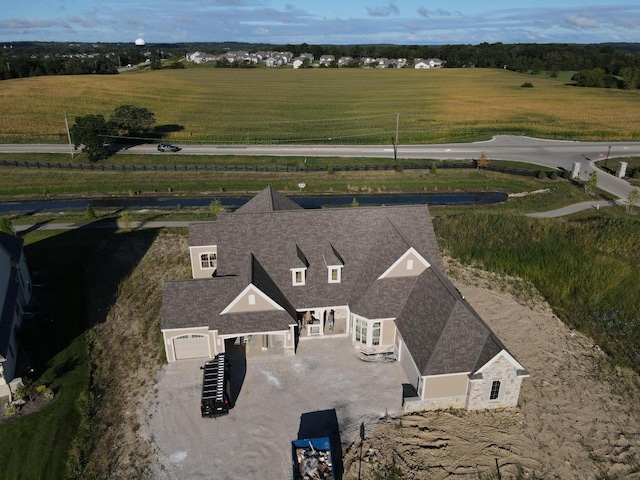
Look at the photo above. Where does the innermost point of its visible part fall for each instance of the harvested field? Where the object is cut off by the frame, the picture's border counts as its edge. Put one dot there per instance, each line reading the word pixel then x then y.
pixel 324 105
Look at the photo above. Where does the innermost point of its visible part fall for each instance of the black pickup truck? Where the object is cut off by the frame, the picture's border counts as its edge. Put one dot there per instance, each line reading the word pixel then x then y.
pixel 216 390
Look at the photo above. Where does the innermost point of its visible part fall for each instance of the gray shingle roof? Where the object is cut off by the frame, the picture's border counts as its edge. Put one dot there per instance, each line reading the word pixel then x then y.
pixel 441 330
pixel 268 200
pixel 8 312
pixel 12 247
pixel 198 303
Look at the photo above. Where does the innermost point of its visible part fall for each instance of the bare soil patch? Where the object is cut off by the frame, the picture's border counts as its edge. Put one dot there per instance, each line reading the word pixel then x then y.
pixel 126 344
pixel 578 416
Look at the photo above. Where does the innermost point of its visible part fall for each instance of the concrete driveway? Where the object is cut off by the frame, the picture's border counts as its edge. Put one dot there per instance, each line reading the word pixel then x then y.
pixel 326 376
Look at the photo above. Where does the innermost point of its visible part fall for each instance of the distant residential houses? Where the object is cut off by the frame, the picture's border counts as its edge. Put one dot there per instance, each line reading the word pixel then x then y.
pixel 279 59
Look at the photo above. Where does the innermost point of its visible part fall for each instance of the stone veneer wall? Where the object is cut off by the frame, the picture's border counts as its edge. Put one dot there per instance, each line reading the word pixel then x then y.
pixel 500 369
pixel 415 404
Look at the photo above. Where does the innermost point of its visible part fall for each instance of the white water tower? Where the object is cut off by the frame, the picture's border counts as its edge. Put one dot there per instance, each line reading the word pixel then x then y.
pixel 140 43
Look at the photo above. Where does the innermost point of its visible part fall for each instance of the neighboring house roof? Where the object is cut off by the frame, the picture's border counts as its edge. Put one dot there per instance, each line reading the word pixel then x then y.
pixel 262 242
pixel 11 247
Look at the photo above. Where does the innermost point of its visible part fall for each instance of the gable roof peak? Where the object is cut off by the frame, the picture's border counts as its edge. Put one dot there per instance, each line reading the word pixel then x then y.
pixel 268 200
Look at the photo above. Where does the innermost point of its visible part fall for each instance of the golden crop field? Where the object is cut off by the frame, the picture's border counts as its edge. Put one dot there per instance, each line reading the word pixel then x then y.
pixel 207 105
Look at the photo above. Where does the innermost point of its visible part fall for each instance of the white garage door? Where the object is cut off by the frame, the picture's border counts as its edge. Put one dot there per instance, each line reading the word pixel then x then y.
pixel 191 346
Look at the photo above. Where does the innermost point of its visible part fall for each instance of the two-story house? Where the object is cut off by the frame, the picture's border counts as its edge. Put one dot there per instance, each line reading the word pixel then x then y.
pixel 15 294
pixel 272 274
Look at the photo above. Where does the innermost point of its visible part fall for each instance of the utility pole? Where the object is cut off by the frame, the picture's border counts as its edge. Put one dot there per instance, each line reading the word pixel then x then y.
pixel 66 124
pixel 395 144
pixel 607 159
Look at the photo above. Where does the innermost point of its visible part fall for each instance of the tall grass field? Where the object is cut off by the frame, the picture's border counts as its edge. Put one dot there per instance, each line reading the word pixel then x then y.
pixel 587 267
pixel 262 105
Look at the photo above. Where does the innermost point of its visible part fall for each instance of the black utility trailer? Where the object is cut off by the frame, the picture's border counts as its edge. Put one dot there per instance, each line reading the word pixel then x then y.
pixel 216 391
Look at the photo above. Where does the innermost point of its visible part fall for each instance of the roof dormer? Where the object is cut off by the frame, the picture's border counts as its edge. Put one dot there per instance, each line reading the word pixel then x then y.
pixel 334 263
pixel 299 272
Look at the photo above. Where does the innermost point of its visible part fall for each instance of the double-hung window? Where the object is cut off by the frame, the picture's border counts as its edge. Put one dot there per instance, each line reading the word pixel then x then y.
pixel 208 260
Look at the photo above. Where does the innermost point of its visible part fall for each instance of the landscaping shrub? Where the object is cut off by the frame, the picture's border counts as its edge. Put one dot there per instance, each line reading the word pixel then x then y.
pixel 527 85
pixel 566 175
pixel 553 175
pixel 11 409
pixel 541 175
pixel 90 213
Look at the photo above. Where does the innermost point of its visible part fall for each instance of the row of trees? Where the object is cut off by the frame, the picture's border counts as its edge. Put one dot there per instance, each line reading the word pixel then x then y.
pixel 40 58
pixel 20 67
pixel 523 57
pixel 31 59
pixel 628 78
pixel 95 133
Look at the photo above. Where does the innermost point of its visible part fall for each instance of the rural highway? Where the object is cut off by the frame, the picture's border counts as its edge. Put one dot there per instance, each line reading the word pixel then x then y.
pixel 548 153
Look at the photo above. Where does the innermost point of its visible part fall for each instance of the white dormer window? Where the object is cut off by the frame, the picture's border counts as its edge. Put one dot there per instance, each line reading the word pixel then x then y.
pixel 298 276
pixel 335 274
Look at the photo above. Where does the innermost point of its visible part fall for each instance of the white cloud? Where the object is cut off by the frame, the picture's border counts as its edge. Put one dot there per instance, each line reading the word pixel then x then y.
pixel 297 22
pixel 384 11
pixel 582 21
pixel 629 25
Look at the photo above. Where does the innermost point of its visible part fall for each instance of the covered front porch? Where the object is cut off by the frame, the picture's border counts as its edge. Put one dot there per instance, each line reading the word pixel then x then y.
pixel 324 321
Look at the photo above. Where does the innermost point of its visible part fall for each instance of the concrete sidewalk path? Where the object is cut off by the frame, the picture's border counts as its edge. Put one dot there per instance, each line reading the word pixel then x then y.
pixel 574 208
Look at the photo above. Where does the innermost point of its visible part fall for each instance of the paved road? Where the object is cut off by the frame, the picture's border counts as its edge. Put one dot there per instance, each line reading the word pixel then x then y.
pixel 548 153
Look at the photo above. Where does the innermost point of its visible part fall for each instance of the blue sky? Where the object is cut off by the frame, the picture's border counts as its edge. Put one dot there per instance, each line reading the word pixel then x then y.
pixel 423 22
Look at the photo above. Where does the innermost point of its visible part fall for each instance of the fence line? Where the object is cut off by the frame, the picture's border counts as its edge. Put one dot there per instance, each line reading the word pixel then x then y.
pixel 261 168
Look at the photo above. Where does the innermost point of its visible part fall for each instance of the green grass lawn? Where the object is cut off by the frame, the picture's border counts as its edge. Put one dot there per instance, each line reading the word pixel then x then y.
pixel 38 446
pixel 43 181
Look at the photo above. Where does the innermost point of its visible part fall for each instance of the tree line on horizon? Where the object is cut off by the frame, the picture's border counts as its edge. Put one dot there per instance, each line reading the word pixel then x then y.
pixel 608 65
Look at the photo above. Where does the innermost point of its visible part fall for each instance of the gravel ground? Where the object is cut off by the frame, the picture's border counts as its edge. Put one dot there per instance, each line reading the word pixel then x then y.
pixel 253 441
